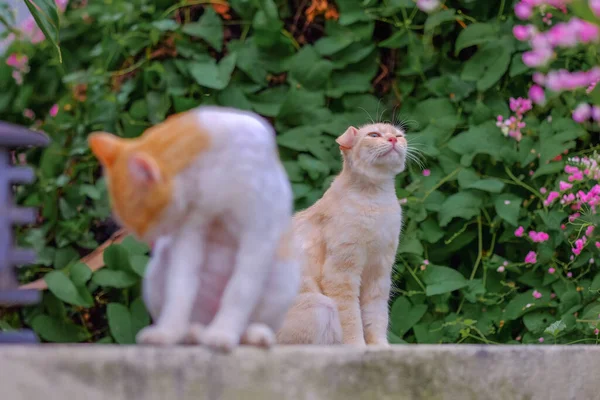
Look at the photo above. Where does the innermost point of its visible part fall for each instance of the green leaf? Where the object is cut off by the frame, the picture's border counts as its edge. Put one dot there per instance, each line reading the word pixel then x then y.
pixel 436 19
pixel 474 34
pixel 45 14
pixel 119 322
pixel 80 274
pixel 57 330
pixel 134 247
pixel 139 315
pixel 139 264
pixel 491 185
pixel 508 207
pixel 482 139
pixel 410 244
pixel 537 321
pixel 523 303
pixel 489 64
pixel 166 25
pixel 404 315
pixel 63 288
pixel 309 70
pixel 555 328
pixel 313 166
pixel 211 75
pixel 158 106
pixel 116 257
pixel 115 278
pixel 209 28
pixel 441 280
pixel 465 205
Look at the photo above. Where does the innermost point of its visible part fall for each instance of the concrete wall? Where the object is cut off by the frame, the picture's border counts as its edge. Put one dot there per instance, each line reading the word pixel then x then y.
pixel 100 372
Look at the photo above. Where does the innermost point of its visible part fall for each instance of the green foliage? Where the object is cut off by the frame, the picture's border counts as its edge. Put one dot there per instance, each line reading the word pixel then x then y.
pixel 129 64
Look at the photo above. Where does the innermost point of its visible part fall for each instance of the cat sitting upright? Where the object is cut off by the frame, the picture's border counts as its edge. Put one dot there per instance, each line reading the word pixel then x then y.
pixel 207 187
pixel 349 238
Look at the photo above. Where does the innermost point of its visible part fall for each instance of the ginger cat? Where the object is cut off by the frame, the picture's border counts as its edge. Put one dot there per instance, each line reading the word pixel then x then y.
pixel 207 187
pixel 349 239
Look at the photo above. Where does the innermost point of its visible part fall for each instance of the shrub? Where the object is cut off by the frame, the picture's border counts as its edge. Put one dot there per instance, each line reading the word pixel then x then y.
pixel 488 252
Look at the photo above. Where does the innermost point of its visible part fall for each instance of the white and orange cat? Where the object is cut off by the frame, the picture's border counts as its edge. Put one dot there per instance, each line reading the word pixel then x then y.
pixel 207 187
pixel 349 239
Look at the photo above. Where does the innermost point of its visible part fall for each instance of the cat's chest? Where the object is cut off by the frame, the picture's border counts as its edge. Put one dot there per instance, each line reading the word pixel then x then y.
pixel 380 221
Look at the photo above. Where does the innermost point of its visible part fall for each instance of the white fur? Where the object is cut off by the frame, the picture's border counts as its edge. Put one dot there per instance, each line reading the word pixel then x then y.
pixel 217 282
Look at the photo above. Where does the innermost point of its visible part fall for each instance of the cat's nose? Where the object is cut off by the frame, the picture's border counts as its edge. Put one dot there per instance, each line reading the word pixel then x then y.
pixel 393 140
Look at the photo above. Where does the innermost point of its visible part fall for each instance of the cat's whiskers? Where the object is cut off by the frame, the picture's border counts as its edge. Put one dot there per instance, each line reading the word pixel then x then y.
pixel 368 115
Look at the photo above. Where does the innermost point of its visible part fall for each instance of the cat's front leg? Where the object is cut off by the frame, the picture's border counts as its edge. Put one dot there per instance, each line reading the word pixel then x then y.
pixel 341 282
pixel 180 289
pixel 243 291
pixel 153 289
pixel 375 292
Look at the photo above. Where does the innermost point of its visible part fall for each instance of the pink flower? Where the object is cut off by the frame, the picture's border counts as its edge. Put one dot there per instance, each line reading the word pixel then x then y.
pixel 539 78
pixel 543 190
pixel 541 340
pixel 562 185
pixel 426 262
pixel 28 113
pixel 538 237
pixel 17 61
pixel 18 77
pixel 537 95
pixel 570 169
pixel 537 57
pixel 54 110
pixel 61 4
pixel 501 269
pixel 579 244
pixel 551 270
pixel 551 197
pixel 537 294
pixel 595 7
pixel 589 231
pixel 596 331
pixel 523 11
pixel 426 172
pixel 569 274
pixel 428 5
pixel 552 295
pixel 597 244
pixel 531 257
pixel 582 113
pixel 519 232
pixel 523 32
pixel 574 216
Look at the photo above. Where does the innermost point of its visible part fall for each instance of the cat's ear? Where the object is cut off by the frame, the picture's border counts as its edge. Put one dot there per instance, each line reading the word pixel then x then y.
pixel 105 147
pixel 143 169
pixel 348 138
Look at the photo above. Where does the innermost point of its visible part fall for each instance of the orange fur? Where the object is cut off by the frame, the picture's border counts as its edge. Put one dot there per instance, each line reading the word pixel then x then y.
pixel 171 146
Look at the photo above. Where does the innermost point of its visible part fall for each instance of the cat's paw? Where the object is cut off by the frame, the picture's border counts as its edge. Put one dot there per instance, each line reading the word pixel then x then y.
pixel 160 336
pixel 218 339
pixel 194 334
pixel 259 335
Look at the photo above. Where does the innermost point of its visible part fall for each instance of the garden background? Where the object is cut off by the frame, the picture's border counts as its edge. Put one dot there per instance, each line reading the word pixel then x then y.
pixel 488 254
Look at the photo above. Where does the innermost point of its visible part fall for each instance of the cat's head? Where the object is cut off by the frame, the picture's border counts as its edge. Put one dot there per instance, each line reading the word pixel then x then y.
pixel 139 190
pixel 374 149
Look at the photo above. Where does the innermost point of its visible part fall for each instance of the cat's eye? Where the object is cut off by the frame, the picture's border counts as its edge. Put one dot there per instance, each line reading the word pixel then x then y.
pixel 374 134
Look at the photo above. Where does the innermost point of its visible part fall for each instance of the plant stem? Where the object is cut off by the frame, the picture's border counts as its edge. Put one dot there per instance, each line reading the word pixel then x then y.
pixel 440 183
pixel 523 184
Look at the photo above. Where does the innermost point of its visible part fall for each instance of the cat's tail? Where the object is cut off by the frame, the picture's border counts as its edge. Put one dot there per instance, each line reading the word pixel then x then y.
pixel 313 319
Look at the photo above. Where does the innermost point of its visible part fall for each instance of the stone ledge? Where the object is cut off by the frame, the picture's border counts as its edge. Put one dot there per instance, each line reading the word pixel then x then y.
pixel 465 372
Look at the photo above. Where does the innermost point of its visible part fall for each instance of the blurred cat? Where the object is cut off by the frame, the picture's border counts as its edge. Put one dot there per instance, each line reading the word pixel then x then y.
pixel 349 238
pixel 207 187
